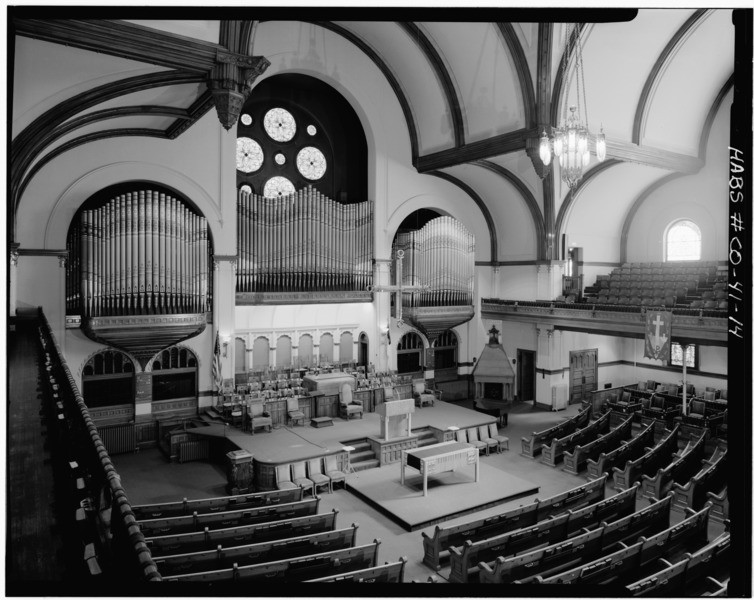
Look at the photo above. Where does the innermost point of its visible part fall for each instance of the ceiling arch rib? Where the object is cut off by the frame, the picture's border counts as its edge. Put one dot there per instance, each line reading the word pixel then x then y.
pixel 434 59
pixel 685 30
pixel 522 70
pixel 482 206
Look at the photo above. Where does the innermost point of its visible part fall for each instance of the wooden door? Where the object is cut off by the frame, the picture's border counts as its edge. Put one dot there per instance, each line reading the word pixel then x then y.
pixel 525 373
pixel 583 369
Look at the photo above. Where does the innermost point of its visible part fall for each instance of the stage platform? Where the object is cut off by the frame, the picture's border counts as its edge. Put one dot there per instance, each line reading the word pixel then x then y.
pixel 450 494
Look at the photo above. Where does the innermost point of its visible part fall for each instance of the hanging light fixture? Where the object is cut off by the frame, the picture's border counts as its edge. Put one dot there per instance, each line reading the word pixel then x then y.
pixel 570 140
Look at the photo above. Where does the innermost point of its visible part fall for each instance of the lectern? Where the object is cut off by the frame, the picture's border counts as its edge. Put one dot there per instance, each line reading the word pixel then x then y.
pixel 395 418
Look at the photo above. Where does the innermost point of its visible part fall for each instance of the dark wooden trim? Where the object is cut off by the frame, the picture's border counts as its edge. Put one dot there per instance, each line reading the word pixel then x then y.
pixel 529 199
pixel 544 58
pixel 482 206
pixel 551 245
pixel 123 39
pixel 571 196
pixel 522 70
pixel 634 208
pixel 438 65
pixel 557 87
pixel 195 112
pixel 510 263
pixel 593 263
pixel 711 114
pixel 629 363
pixel 512 141
pixel 678 37
pixel 391 79
pixel 42 252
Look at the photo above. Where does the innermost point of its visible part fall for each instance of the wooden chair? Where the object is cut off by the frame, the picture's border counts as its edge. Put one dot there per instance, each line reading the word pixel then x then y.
pixel 349 406
pixel 332 471
pixel 314 472
pixel 462 436
pixel 283 478
pixel 259 417
pixel 295 414
pixel 484 436
pixel 475 441
pixel 696 409
pixel 422 395
pixel 500 438
pixel 299 477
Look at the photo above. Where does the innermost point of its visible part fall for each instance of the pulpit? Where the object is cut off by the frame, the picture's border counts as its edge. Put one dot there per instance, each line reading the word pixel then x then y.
pixel 395 418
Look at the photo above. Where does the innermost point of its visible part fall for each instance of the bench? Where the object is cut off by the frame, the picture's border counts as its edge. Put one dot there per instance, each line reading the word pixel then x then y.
pixel 684 465
pixel 293 570
pixel 711 478
pixel 387 573
pixel 719 510
pixel 231 518
pixel 224 503
pixel 464 560
pixel 655 457
pixel 224 558
pixel 237 536
pixel 551 454
pixel 574 461
pixel 618 457
pixel 577 550
pixel 531 446
pixel 437 546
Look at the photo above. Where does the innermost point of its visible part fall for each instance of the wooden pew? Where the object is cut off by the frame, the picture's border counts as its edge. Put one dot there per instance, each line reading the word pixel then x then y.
pixel 577 550
pixel 293 570
pixel 237 536
pixel 618 457
pixel 436 546
pixel 224 558
pixel 464 560
pixel 231 518
pixel 676 578
pixel 719 510
pixel 623 565
pixel 684 465
pixel 711 478
pixel 624 408
pixel 531 446
pixel 647 464
pixel 225 503
pixel 574 461
pixel 552 453
pixel 387 573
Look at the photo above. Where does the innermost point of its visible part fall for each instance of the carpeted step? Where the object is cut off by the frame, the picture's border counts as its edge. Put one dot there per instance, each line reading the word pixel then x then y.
pixel 357 457
pixel 365 464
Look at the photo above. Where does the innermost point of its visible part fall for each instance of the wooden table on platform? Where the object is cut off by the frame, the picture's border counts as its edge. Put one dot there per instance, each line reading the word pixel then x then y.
pixel 438 458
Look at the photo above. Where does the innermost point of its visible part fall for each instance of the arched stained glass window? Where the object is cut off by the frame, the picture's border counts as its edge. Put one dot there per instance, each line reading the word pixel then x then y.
pixel 683 241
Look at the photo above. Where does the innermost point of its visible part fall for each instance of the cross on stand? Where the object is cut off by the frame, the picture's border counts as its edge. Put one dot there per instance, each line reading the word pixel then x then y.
pixel 399 288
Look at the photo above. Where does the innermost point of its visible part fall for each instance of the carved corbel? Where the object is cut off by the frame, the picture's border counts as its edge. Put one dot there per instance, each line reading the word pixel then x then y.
pixel 532 151
pixel 230 83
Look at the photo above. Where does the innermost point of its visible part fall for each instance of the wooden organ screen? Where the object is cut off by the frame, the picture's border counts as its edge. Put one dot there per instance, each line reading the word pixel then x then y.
pixel 440 255
pixel 303 242
pixel 141 252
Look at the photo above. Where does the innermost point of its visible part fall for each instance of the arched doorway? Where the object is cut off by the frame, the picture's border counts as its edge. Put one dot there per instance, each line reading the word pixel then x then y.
pixel 410 353
pixel 363 349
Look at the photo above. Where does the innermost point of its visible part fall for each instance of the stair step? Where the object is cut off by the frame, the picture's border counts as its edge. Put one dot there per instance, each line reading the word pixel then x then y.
pixel 425 442
pixel 361 456
pixel 366 464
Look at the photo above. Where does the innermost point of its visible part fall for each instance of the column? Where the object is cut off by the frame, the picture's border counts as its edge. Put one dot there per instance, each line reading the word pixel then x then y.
pixel 546 359
pixel 273 349
pixel 12 279
pixel 550 279
pixel 224 304
pixel 336 350
pixel 381 278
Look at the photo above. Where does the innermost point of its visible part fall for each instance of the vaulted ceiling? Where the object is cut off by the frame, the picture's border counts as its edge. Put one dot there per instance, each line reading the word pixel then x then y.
pixel 474 94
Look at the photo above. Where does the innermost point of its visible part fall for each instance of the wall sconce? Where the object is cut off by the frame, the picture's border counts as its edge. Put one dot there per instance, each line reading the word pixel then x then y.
pixel 226 341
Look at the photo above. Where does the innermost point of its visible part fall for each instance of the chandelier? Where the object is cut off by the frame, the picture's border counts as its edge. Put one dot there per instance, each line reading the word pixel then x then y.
pixel 571 139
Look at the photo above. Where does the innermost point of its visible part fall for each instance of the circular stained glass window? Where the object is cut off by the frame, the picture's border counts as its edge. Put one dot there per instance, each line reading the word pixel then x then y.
pixel 279 159
pixel 249 155
pixel 311 163
pixel 246 189
pixel 278 186
pixel 246 119
pixel 280 124
pixel 311 130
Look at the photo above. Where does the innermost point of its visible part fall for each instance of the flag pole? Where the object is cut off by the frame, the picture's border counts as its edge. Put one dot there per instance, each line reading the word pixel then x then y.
pixel 683 347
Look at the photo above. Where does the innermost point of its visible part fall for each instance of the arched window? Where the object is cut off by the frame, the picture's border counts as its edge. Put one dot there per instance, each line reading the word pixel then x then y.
pixel 683 241
pixel 446 349
pixel 174 374
pixel 108 379
pixel 410 353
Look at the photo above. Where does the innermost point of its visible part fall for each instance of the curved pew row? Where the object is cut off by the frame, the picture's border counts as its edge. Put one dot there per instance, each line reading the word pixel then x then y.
pixel 685 464
pixel 208 505
pixel 711 478
pixel 464 560
pixel 618 457
pixel 574 461
pixel 238 536
pixel 638 559
pixel 655 457
pixel 437 546
pixel 387 573
pixel 678 578
pixel 579 549
pixel 231 518
pixel 293 570
pixel 531 446
pixel 225 558
pixel 552 453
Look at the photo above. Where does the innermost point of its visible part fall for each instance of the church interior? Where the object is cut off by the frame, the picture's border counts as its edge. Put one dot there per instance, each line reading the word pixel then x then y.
pixel 391 296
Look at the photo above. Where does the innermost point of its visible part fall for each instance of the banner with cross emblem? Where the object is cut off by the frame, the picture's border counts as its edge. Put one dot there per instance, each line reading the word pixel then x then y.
pixel 657 334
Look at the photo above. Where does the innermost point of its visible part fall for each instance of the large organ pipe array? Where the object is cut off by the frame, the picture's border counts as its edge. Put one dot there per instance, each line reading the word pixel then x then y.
pixel 439 256
pixel 140 253
pixel 303 242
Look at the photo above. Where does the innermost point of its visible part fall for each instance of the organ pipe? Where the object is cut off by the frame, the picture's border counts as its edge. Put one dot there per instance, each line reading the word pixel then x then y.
pixel 141 252
pixel 303 242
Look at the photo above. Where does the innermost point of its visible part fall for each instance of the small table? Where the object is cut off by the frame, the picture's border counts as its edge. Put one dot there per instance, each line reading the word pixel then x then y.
pixel 321 422
pixel 438 458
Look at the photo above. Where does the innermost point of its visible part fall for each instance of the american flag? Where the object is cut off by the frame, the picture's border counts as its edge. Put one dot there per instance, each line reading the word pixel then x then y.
pixel 217 367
